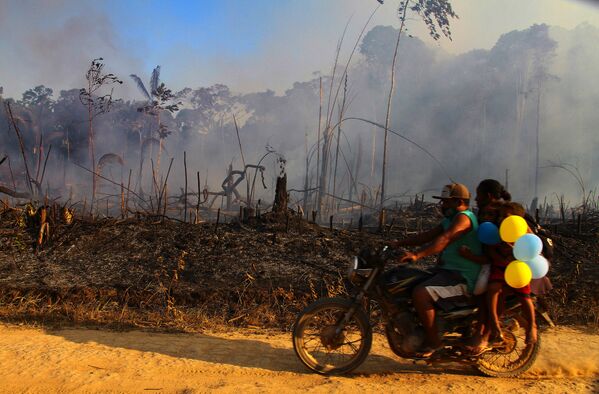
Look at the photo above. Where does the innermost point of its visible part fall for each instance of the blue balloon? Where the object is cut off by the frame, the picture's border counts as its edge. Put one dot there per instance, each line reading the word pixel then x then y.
pixel 539 266
pixel 527 247
pixel 488 233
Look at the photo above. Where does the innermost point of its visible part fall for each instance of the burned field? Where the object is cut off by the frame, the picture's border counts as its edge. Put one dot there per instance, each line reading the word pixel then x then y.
pixel 171 274
pixel 167 275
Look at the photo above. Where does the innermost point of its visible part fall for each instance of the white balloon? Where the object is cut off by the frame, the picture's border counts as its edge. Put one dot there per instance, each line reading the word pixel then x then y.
pixel 539 266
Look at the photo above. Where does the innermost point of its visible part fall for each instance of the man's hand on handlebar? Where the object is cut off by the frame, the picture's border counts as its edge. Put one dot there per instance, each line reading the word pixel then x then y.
pixel 407 258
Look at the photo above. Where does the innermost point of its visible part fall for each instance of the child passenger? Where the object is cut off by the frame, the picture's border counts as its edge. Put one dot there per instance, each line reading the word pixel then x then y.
pixel 500 256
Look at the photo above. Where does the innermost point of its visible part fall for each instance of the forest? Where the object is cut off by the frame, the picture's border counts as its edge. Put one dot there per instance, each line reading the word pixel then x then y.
pixel 501 113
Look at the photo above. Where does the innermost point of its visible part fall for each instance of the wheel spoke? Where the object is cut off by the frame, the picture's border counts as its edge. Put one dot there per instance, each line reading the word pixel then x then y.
pixel 343 350
pixel 518 352
pixel 351 344
pixel 316 349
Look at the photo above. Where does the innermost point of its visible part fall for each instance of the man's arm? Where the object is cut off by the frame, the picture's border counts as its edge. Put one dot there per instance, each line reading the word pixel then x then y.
pixel 460 226
pixel 420 238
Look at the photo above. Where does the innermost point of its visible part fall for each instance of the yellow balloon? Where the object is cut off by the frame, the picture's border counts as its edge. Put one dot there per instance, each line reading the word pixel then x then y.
pixel 512 228
pixel 518 274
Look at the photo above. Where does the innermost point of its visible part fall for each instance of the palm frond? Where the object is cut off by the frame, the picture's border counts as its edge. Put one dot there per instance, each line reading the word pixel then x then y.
pixel 141 86
pixel 155 79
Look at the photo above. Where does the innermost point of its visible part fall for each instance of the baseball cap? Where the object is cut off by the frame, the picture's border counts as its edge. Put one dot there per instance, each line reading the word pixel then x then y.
pixel 454 190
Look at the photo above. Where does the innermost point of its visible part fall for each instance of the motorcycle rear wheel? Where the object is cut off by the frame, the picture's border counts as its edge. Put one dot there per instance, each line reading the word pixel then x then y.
pixel 319 347
pixel 513 359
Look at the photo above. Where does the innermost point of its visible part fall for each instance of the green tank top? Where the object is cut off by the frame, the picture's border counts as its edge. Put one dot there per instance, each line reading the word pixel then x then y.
pixel 450 257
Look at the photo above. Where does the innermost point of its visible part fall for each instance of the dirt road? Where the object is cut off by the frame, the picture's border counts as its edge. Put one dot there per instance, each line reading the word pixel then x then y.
pixel 79 360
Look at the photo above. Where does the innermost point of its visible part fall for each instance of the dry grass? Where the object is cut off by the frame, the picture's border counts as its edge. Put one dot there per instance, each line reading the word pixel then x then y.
pixel 188 277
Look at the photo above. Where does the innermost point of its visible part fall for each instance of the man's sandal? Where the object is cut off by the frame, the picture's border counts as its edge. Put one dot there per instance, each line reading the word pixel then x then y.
pixel 428 352
pixel 475 351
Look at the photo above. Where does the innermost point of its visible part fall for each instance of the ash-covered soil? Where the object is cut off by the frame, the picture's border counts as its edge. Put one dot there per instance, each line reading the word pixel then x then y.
pixel 171 275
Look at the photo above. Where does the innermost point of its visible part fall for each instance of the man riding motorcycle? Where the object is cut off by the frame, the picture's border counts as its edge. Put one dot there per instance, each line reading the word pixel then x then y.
pixel 455 275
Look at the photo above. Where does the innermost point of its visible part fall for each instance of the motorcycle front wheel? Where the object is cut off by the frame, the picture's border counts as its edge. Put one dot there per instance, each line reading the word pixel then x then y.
pixel 326 348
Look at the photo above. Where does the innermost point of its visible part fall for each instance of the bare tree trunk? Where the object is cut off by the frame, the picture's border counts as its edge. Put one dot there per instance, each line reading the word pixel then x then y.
pixel 388 115
pixel 373 153
pixel 323 181
pixel 39 136
pixel 90 136
pixel 185 202
pixel 536 196
pixel 306 185
pixel 341 110
pixel 521 108
pixel 353 187
pixel 229 185
pixel 159 144
pixel 247 178
pixel 21 146
pixel 336 161
pixel 12 176
pixel 317 202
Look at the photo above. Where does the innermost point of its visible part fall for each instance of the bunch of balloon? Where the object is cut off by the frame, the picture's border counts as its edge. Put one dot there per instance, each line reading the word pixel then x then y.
pixel 529 263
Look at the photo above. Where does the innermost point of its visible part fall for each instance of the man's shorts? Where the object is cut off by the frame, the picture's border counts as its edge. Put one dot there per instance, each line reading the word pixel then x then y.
pixel 448 289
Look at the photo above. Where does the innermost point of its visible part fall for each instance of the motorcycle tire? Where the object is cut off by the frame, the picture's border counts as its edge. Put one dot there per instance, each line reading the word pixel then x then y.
pixel 513 360
pixel 319 347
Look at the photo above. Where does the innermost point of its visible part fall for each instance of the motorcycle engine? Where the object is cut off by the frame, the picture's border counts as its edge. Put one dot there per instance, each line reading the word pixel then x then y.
pixel 412 335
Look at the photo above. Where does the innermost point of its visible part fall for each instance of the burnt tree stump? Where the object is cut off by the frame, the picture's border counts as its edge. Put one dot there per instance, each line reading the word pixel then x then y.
pixel 280 204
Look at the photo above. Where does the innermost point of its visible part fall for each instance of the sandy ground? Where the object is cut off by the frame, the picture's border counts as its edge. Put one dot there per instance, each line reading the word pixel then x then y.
pixel 35 360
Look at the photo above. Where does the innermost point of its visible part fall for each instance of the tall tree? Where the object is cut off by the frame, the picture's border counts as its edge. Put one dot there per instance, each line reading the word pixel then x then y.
pixel 542 55
pixel 37 102
pixel 96 105
pixel 435 14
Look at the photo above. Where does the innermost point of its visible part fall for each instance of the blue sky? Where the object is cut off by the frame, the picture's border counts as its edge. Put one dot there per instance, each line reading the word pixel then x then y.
pixel 204 26
pixel 249 45
pixel 233 30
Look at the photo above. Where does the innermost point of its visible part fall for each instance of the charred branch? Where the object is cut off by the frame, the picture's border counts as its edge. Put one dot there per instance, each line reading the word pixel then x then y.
pixel 14 193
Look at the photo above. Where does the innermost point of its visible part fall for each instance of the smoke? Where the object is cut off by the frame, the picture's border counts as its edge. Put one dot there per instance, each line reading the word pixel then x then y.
pixel 475 112
pixel 54 45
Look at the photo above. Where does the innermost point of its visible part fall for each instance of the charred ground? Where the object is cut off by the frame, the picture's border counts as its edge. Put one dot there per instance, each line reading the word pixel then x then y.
pixel 165 274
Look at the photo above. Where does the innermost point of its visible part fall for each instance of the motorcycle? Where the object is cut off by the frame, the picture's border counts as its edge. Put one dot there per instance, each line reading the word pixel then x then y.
pixel 334 335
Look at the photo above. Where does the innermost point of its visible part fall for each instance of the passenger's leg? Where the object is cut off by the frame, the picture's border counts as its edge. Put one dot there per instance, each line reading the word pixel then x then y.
pixel 479 342
pixel 529 314
pixel 493 293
